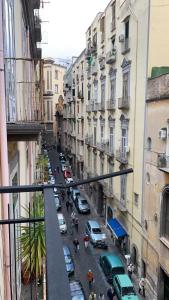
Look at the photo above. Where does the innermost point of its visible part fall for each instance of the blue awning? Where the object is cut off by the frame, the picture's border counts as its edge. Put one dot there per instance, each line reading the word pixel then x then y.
pixel 116 228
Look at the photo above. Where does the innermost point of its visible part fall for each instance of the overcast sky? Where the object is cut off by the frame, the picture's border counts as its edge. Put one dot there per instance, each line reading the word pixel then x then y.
pixel 67 22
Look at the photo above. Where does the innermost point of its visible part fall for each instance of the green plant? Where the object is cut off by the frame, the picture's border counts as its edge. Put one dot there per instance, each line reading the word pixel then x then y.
pixel 32 241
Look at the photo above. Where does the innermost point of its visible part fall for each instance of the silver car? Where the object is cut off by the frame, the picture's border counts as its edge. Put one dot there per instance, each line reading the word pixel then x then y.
pixel 97 237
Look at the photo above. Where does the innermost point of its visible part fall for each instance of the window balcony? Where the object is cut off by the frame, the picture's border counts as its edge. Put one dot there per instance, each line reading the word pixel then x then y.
pixel 123 103
pixel 102 146
pixel 102 62
pixel 122 156
pixel 48 93
pixel 111 56
pixel 37 22
pixel 111 105
pixel 89 108
pixel 109 150
pixel 89 139
pixel 125 47
pixel 163 162
pixel 94 68
pixel 101 106
pixel 24 130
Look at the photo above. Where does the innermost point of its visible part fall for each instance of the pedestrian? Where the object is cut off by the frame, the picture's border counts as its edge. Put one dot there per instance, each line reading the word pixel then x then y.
pixel 130 270
pixel 58 169
pixel 76 222
pixel 101 296
pixel 86 241
pixel 71 205
pixel 110 293
pixel 142 287
pixel 90 278
pixel 76 245
pixel 92 296
pixel 73 216
pixel 68 193
pixel 67 205
pixel 63 195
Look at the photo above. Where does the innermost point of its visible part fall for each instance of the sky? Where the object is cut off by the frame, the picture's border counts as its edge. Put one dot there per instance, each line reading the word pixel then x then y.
pixel 64 23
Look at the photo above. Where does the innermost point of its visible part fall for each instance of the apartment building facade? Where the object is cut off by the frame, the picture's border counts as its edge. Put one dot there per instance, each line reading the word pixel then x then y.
pixel 21 117
pixel 53 94
pixel 120 53
pixel 155 246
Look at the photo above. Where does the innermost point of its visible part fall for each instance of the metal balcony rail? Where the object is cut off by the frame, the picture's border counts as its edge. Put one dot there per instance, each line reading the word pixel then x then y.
pixel 111 56
pixel 111 104
pixel 122 155
pixel 123 103
pixel 57 279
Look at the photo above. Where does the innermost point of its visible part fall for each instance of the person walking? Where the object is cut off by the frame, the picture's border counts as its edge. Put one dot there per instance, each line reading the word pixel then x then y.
pixel 58 169
pixel 68 193
pixel 90 278
pixel 86 241
pixel 92 296
pixel 67 205
pixel 76 222
pixel 71 205
pixel 130 270
pixel 142 287
pixel 101 296
pixel 73 216
pixel 76 245
pixel 110 293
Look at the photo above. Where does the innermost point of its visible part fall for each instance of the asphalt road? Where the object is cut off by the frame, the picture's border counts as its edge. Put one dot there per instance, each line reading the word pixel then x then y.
pixel 84 259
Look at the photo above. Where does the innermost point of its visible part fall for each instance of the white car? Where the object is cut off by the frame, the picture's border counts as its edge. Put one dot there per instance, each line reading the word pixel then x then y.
pixel 62 223
pixel 69 180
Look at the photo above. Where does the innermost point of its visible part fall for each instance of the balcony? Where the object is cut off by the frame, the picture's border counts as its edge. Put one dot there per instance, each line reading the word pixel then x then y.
pixel 101 106
pixel 101 146
pixel 48 93
pixel 94 68
pixel 38 36
pixel 94 106
pixel 93 49
pixel 122 206
pixel 89 140
pixel 108 190
pixel 102 63
pixel 89 108
pixel 111 105
pixel 109 150
pixel 122 156
pixel 125 47
pixel 163 162
pixel 24 130
pixel 111 56
pixel 80 95
pixel 88 72
pixel 123 103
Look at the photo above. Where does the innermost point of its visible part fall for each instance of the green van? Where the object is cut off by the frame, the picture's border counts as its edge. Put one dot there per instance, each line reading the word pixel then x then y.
pixel 111 265
pixel 124 288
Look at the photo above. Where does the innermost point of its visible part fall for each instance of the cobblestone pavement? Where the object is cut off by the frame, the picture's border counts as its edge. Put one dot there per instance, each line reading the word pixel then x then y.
pixel 85 259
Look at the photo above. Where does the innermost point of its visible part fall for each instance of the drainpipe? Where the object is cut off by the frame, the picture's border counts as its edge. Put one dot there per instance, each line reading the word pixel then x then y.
pixel 4 165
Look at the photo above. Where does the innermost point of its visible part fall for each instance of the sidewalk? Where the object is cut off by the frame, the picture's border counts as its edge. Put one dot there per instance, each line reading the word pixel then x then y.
pixel 112 247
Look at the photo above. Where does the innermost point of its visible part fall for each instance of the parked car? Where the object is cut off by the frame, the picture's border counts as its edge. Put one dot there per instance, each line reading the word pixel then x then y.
pixel 69 180
pixel 62 223
pixel 76 290
pixel 124 288
pixel 74 193
pixel 97 237
pixel 68 260
pixel 82 205
pixel 111 265
pixel 67 174
pixel 57 202
pixel 55 190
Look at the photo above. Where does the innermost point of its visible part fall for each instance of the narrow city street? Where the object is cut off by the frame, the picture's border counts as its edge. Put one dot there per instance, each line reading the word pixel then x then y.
pixel 85 259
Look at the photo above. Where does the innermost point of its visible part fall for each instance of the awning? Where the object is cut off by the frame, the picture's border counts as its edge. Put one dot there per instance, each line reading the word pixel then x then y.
pixel 116 228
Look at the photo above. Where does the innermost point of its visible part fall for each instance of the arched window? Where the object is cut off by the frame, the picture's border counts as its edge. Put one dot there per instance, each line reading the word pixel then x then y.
pixel 165 214
pixel 149 143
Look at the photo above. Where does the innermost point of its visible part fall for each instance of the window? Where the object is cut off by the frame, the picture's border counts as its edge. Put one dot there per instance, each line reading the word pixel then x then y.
pixel 113 25
pixel 112 89
pixel 125 85
pixel 94 136
pixel 113 43
pixel 95 91
pixel 123 179
pixel 103 92
pixel 136 199
pixel 49 111
pixel 127 29
pixel 56 89
pixel 111 141
pixel 124 142
pixel 165 215
pixel 101 132
pixel 148 177
pixel 89 93
pixel 149 143
pixel 56 74
pixel 102 29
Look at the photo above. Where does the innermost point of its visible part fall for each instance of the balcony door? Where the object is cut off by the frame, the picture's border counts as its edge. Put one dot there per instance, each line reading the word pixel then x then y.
pixel 124 142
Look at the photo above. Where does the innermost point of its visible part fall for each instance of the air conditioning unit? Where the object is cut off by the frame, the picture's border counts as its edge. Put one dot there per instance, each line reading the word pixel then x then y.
pixel 163 133
pixel 121 38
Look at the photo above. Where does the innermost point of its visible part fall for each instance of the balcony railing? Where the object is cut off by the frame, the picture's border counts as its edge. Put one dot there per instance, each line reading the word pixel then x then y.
pixel 101 146
pixel 125 46
pixel 38 36
pixel 89 108
pixel 111 56
pixel 102 63
pixel 124 102
pixel 89 139
pixel 101 106
pixel 48 93
pixel 122 156
pixel 163 162
pixel 111 104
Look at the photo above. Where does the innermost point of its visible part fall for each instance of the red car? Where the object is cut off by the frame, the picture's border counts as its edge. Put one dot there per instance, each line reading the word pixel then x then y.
pixel 67 174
